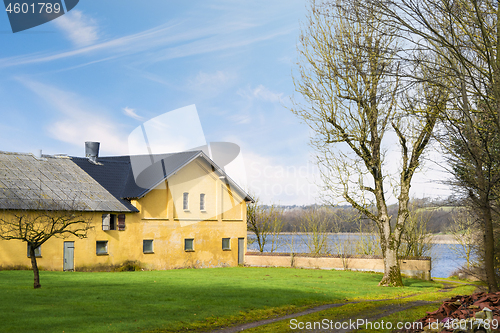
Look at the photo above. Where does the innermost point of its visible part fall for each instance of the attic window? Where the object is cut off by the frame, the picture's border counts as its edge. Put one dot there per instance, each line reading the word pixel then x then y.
pixel 109 222
pixel 185 201
pixel 202 202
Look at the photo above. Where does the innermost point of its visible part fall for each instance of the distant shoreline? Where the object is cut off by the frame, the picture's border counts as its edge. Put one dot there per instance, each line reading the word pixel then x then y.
pixel 436 239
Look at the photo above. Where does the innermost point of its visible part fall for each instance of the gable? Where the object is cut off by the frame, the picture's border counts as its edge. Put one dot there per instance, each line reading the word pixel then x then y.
pixel 200 179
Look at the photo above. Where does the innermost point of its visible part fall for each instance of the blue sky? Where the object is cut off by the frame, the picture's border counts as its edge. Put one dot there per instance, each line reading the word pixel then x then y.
pixel 104 68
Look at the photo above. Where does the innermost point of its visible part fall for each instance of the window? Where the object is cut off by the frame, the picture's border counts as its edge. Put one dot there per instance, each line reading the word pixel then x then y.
pixel 147 246
pixel 101 247
pixel 202 202
pixel 226 243
pixel 38 251
pixel 185 201
pixel 189 244
pixel 109 221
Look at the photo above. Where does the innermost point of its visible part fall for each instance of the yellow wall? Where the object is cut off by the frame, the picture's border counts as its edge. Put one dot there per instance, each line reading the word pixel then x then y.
pixel 162 219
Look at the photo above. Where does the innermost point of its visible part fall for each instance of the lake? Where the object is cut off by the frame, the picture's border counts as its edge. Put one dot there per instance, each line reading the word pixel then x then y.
pixel 444 256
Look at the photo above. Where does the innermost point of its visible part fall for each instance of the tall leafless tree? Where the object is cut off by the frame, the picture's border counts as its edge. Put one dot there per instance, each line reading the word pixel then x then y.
pixel 349 78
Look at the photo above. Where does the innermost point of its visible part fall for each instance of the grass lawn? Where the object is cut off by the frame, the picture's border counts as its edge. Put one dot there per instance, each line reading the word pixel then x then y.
pixel 163 301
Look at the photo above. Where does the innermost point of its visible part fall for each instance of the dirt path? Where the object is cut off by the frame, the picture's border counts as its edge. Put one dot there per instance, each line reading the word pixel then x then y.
pixel 386 311
pixel 246 326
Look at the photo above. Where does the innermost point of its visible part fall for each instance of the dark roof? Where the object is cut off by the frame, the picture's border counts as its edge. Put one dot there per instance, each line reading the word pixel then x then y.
pixel 116 173
pixel 52 183
pixel 131 177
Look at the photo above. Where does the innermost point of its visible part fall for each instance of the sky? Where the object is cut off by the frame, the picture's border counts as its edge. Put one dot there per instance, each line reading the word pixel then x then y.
pixel 102 70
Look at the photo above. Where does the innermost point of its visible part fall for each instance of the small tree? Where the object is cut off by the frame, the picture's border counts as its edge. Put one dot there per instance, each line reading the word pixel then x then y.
pixel 416 240
pixel 37 226
pixel 465 232
pixel 315 226
pixel 367 243
pixel 264 221
pixel 276 221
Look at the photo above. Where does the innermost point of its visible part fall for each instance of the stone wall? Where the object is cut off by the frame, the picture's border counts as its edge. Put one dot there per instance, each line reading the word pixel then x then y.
pixel 415 268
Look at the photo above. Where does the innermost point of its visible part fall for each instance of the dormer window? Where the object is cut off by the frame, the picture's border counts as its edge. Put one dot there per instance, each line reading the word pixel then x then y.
pixel 185 201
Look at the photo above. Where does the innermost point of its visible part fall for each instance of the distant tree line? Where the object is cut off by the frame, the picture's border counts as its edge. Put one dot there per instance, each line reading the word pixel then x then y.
pixel 347 219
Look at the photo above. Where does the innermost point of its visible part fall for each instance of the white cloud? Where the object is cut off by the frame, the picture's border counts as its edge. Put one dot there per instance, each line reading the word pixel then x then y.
pixel 241 119
pixel 261 93
pixel 131 113
pixel 211 83
pixel 207 79
pixel 188 41
pixel 78 28
pixel 78 121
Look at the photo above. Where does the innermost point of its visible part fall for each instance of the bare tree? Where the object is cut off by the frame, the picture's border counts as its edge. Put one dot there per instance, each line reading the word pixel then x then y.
pixel 264 221
pixel 315 226
pixel 349 79
pixel 367 243
pixel 35 227
pixel 276 220
pixel 416 238
pixel 464 232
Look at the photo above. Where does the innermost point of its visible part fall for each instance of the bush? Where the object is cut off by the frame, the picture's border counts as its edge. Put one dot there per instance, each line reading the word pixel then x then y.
pixel 126 266
pixel 16 268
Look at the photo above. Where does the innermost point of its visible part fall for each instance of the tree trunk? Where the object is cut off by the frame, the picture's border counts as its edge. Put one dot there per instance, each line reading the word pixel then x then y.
pixel 36 274
pixel 388 243
pixel 392 272
pixel 489 249
pixel 483 201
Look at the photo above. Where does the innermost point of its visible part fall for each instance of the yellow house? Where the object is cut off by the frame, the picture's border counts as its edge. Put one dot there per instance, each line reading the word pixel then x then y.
pixel 181 210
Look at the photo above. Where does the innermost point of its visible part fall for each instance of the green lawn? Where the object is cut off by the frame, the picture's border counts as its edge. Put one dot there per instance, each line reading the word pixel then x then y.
pixel 161 301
